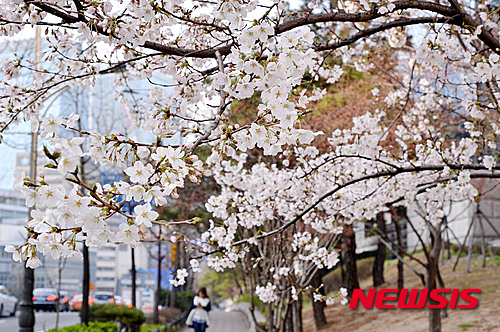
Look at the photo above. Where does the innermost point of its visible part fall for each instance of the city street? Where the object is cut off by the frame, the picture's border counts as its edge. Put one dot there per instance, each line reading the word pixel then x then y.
pixel 43 321
pixel 221 321
pixel 233 321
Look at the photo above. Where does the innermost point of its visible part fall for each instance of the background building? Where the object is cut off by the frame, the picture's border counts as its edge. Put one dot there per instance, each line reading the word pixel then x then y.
pixel 467 222
pixel 13 217
pixel 98 110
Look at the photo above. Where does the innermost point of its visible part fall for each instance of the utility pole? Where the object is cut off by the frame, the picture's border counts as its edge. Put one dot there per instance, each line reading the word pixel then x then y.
pixel 84 312
pixel 158 280
pixel 86 285
pixel 27 314
pixel 134 276
pixel 133 271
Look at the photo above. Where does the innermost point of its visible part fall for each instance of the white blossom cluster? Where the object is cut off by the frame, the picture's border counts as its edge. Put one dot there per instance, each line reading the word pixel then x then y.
pixel 180 278
pixel 266 293
pixel 76 213
pixel 265 197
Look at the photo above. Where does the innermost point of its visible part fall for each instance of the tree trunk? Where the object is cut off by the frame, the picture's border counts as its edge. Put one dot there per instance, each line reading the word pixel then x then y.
pixel 133 276
pixel 86 285
pixel 26 319
pixel 156 317
pixel 318 306
pixel 378 264
pixel 86 257
pixel 270 318
pixel 182 263
pixel 342 270
pixel 434 314
pixel 400 242
pixel 297 314
pixel 238 284
pixel 351 271
pixel 60 267
pixel 175 266
pixel 288 321
pixel 27 308
pixel 432 275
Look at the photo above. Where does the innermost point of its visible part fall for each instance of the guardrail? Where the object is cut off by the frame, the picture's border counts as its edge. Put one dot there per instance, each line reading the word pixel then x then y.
pixel 170 325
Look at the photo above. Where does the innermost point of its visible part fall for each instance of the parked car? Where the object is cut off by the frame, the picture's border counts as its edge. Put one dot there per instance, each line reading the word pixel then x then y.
pixel 127 302
pixel 45 299
pixel 103 298
pixel 64 301
pixel 76 302
pixel 118 300
pixel 8 302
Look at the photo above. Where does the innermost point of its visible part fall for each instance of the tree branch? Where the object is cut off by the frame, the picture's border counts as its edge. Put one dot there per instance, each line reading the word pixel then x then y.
pixel 452 16
pixel 375 176
pixel 386 26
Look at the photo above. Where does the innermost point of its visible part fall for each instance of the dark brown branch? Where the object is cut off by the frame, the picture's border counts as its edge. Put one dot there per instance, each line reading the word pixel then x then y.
pixel 394 24
pixel 393 173
pixel 451 16
pixel 79 9
pixel 391 244
pixel 341 16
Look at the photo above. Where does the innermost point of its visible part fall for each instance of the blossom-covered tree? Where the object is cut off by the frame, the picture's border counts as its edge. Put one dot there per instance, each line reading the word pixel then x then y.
pixel 217 52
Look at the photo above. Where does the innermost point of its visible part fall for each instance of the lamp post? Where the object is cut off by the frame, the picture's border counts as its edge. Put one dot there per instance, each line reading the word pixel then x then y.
pixel 27 314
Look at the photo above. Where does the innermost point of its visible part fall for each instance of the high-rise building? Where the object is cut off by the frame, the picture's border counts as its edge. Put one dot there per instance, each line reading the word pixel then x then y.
pixel 114 261
pixel 13 216
pixel 98 110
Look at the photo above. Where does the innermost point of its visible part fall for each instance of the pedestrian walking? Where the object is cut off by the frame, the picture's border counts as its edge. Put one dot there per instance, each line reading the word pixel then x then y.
pixel 198 318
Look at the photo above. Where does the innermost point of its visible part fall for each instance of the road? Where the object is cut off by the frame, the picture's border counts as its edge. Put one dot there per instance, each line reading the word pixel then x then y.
pixel 43 321
pixel 233 321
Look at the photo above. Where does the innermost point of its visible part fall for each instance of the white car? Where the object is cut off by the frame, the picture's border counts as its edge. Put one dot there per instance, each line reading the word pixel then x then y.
pixel 118 300
pixel 8 302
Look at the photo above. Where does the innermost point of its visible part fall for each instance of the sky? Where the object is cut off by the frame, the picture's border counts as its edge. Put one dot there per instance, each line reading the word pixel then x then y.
pixel 17 140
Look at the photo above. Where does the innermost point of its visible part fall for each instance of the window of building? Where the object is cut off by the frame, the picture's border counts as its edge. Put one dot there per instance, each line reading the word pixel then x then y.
pixel 105 268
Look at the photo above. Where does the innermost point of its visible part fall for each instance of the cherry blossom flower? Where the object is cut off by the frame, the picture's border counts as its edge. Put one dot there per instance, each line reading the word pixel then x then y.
pixel 67 164
pixel 266 293
pixel 139 173
pixel 73 146
pixel 16 254
pixel 180 278
pixel 51 124
pixel 128 234
pixel 49 196
pixel 145 215
pixel 195 265
pixel 489 162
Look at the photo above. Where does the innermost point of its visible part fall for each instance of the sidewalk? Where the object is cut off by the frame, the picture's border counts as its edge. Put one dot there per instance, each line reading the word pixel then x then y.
pixel 233 321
